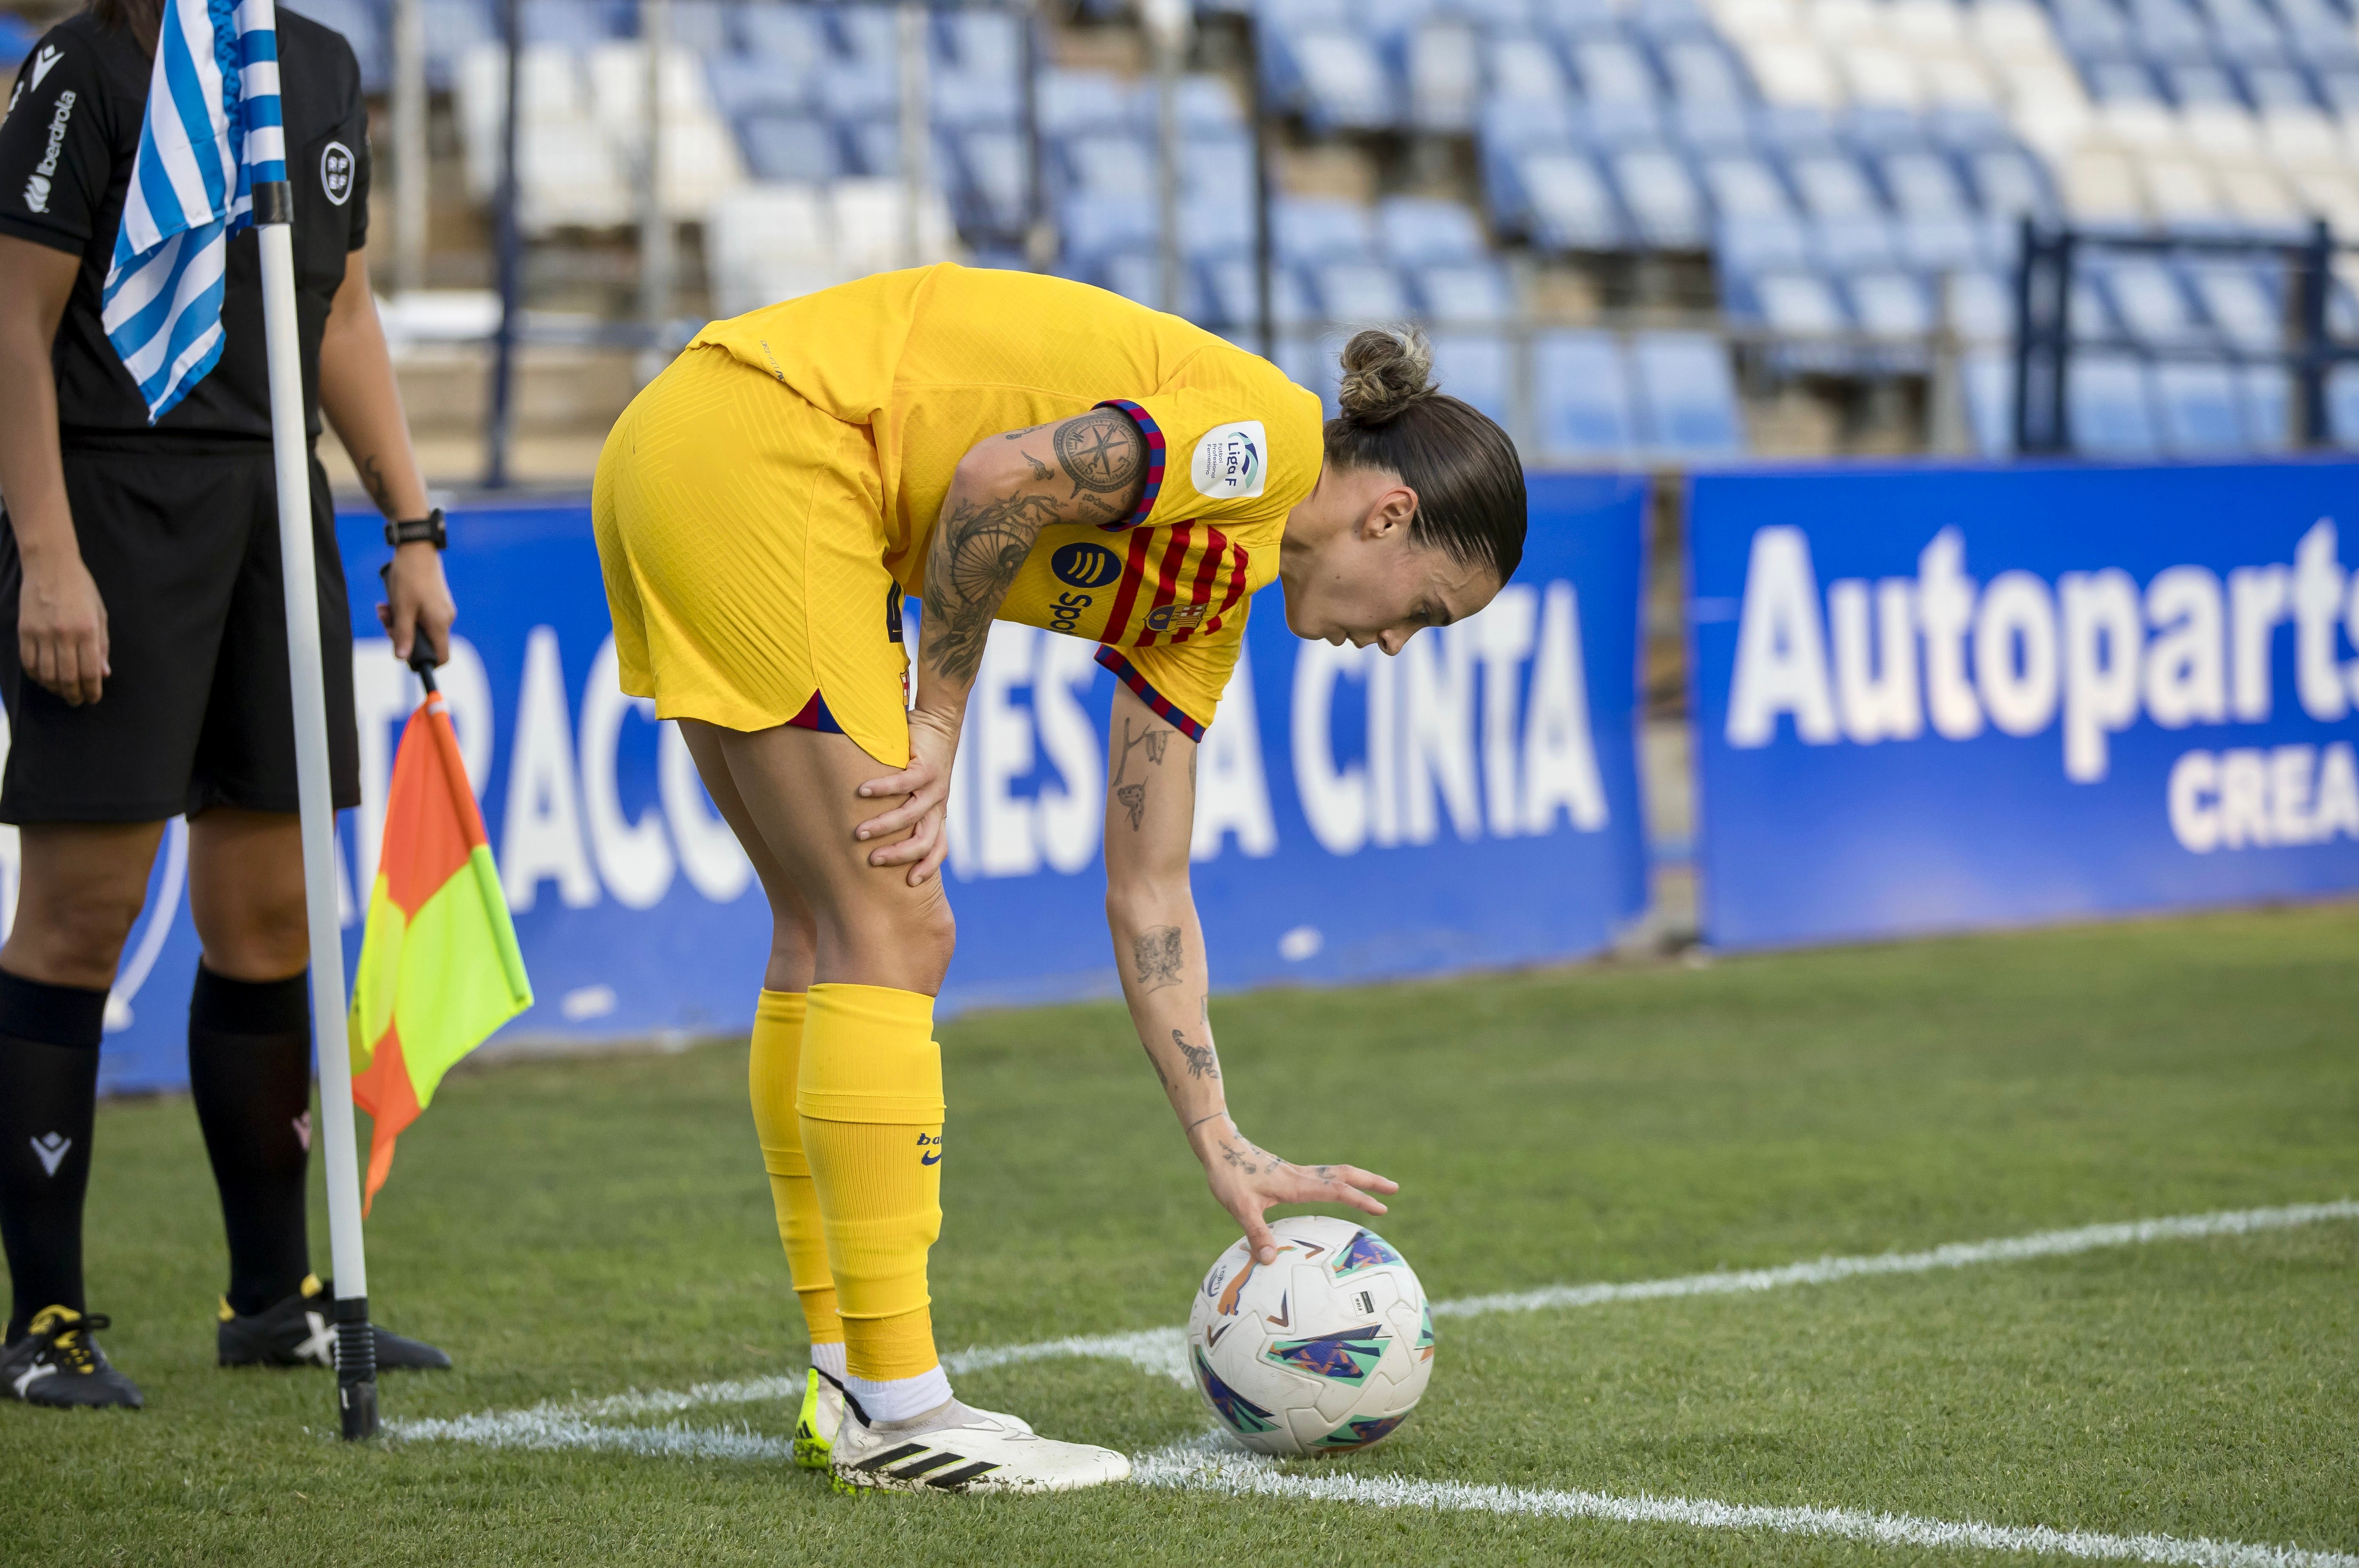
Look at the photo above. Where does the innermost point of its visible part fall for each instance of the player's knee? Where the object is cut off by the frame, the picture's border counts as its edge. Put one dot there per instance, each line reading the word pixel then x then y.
pixel 73 935
pixel 936 934
pixel 258 940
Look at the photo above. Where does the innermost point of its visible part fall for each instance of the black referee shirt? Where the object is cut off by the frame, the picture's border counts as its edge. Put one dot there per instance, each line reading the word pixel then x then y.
pixel 66 151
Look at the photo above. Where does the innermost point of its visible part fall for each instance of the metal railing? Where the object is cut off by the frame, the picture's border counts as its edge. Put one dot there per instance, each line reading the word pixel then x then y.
pixel 2045 340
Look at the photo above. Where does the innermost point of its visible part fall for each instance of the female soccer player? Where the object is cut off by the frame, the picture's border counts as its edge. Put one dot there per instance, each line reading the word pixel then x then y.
pixel 143 658
pixel 1018 448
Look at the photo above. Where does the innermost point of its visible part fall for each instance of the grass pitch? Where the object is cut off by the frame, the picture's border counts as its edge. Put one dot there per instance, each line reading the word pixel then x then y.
pixel 584 1227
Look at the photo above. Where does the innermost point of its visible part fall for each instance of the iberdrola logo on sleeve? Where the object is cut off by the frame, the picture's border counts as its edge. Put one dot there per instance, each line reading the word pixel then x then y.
pixel 1231 461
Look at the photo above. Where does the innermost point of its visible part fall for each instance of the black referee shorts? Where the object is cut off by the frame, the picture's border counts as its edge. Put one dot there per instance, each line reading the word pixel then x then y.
pixel 182 539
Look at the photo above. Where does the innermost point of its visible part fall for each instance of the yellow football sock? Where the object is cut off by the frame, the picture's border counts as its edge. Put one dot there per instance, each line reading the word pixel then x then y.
pixel 777 1052
pixel 870 1098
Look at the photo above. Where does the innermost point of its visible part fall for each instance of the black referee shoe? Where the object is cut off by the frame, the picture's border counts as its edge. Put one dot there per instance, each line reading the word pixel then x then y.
pixel 59 1365
pixel 298 1332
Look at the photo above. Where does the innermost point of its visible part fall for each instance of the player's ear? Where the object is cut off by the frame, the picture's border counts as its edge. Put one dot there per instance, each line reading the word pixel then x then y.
pixel 1390 514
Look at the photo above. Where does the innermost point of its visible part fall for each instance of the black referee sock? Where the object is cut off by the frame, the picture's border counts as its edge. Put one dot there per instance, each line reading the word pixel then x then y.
pixel 49 1092
pixel 250 1073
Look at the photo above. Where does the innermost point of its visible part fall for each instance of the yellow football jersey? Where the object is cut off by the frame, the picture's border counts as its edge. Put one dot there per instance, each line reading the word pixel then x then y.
pixel 934 360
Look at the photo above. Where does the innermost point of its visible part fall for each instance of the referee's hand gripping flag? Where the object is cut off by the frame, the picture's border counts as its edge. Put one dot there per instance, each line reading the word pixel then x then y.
pixel 439 969
pixel 212 134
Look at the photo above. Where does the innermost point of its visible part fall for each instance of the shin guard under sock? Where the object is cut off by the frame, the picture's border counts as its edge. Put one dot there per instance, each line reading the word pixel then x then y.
pixel 250 1074
pixel 770 1079
pixel 869 1097
pixel 48 1093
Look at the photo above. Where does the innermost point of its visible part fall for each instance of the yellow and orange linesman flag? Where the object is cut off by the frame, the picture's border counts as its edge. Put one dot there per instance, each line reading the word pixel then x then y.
pixel 439 969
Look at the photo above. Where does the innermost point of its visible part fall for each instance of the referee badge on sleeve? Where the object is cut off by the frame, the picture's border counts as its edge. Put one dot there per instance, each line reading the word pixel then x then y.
pixel 336 172
pixel 1232 462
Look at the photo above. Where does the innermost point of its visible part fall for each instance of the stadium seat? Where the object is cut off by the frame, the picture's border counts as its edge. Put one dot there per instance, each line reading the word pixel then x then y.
pixel 1096 227
pixel 2009 183
pixel 2200 409
pixel 1344 82
pixel 769 243
pixel 2152 304
pixel 1074 102
pixel 970 100
pixel 1613 70
pixel 2265 392
pixel 2241 305
pixel 860 89
pixel 1420 230
pixel 1765 242
pixel 1667 210
pixel 1699 71
pixel 741 85
pixel 1468 292
pixel 1832 184
pixel 364 28
pixel 2112 411
pixel 1986 380
pixel 1140 278
pixel 1358 293
pixel 1229 288
pixel 1854 242
pixel 995 192
pixel 1571 207
pixel 1686 395
pixel 1521 67
pixel 1583 403
pixel 785 36
pixel 789 146
pixel 1308 229
pixel 985 41
pixel 1978 307
pixel 1743 185
pixel 1938 242
pixel 1791 304
pixel 1476 368
pixel 1444 68
pixel 1891 304
pixel 1108 165
pixel 870 34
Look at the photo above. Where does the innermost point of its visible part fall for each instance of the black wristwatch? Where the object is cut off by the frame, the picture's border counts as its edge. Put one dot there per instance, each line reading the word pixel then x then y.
pixel 428 529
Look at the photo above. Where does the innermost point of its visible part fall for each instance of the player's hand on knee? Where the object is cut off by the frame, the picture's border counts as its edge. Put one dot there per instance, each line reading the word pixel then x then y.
pixel 417 602
pixel 62 630
pixel 916 826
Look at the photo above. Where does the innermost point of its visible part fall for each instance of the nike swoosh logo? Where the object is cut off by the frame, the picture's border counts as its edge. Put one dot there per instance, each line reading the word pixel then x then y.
pixel 930 1159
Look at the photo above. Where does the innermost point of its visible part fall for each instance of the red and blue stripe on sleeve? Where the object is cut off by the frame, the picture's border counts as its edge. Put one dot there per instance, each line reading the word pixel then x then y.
pixel 1155 445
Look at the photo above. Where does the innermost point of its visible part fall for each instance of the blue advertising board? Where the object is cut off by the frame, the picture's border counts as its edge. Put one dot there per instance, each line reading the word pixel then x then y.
pixel 1471 802
pixel 1933 699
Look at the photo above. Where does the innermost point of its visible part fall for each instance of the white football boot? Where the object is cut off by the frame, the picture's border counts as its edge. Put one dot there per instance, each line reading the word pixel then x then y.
pixel 821 1417
pixel 961 1449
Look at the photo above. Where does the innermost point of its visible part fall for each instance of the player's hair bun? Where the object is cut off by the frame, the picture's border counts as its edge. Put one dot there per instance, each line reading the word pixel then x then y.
pixel 1385 374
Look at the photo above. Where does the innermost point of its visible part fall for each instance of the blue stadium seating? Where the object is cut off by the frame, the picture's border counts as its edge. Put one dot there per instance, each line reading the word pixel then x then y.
pixel 2112 411
pixel 1585 408
pixel 1686 395
pixel 1476 368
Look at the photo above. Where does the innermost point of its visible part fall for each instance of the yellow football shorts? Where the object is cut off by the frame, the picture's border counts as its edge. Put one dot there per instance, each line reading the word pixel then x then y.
pixel 741 535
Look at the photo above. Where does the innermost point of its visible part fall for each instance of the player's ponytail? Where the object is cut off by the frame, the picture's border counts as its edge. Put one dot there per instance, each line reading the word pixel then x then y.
pixel 144 19
pixel 1468 479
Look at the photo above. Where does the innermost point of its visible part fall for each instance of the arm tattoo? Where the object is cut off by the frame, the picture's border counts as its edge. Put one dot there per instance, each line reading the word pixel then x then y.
pixel 1201 1062
pixel 976 552
pixel 1040 470
pixel 1160 1076
pixel 1156 954
pixel 1101 450
pixel 373 477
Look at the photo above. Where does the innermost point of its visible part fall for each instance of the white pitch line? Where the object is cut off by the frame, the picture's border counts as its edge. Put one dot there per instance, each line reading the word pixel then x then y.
pixel 1198 1467
pixel 1164 1350
pixel 1957 1255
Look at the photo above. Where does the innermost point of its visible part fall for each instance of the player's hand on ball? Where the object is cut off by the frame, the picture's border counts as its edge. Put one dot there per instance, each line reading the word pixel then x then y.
pixel 62 630
pixel 924 786
pixel 1248 1180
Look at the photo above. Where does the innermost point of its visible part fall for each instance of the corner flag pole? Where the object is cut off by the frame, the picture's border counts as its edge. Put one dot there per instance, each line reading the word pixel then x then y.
pixel 274 218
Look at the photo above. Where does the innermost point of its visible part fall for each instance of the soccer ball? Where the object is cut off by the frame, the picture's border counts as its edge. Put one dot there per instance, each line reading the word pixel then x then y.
pixel 1324 1350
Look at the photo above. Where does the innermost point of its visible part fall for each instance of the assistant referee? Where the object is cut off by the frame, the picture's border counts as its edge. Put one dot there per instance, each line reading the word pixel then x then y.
pixel 143 661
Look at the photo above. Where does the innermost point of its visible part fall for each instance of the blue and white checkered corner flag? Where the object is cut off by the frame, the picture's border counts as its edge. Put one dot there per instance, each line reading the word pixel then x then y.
pixel 212 134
